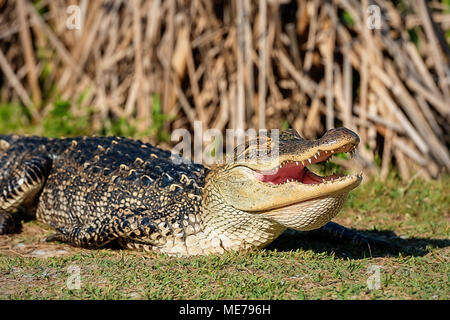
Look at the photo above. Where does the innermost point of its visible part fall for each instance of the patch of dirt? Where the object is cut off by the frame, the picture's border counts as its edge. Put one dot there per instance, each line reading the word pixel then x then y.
pixel 30 242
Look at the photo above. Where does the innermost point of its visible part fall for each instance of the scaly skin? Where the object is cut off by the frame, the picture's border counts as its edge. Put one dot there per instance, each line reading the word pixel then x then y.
pixel 101 189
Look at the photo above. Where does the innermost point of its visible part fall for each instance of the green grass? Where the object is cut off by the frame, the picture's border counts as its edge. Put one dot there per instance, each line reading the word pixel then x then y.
pixel 292 268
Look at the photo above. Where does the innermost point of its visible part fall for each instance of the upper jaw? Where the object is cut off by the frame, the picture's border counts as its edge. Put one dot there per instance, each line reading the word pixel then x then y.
pixel 300 151
pixel 296 171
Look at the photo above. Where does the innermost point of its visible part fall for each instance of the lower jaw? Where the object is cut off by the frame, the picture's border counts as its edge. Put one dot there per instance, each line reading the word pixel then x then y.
pixel 310 214
pixel 310 177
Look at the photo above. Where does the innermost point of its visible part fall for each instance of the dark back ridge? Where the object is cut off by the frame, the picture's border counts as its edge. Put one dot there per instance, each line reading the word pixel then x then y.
pixel 110 155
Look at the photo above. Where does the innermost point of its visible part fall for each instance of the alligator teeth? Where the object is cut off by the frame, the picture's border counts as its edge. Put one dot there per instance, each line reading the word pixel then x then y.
pixel 332 151
pixel 315 156
pixel 318 153
pixel 296 163
pixel 309 160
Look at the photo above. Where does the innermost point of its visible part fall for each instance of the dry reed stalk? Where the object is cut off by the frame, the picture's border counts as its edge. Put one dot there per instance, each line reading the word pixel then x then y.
pixel 311 9
pixel 170 24
pixel 25 39
pixel 262 91
pixel 16 84
pixel 327 49
pixel 248 63
pixel 240 108
pixel 439 64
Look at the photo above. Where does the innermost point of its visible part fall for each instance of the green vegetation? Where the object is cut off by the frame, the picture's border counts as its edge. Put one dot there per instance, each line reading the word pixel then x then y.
pixel 347 19
pixel 294 267
pixel 61 120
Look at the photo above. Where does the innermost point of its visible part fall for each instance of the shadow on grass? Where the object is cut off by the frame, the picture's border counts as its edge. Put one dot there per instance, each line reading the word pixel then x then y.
pixel 324 243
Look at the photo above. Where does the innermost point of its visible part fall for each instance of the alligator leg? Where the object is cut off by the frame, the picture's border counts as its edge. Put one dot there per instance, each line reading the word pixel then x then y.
pixel 120 224
pixel 338 232
pixel 19 190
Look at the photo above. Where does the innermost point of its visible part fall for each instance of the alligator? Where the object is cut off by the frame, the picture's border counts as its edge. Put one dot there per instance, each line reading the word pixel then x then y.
pixel 98 190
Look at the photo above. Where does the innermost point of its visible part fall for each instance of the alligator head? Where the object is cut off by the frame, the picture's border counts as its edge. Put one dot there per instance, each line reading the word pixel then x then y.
pixel 277 187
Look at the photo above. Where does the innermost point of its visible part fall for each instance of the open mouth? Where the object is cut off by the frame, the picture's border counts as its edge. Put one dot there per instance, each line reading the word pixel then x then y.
pixel 297 171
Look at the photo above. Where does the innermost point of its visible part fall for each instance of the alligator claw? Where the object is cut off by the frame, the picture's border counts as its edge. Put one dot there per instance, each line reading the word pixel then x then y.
pixel 60 235
pixel 54 237
pixel 379 243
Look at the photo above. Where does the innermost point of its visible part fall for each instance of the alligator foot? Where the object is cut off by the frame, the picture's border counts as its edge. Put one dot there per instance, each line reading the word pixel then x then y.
pixel 8 223
pixel 339 232
pixel 90 236
pixel 121 224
